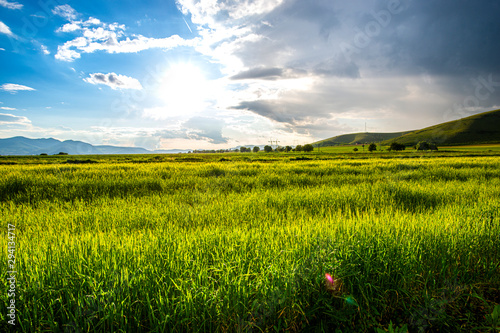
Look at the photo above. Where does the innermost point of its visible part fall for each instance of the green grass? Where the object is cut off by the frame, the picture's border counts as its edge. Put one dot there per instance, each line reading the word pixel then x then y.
pixel 188 243
pixel 474 148
pixel 444 151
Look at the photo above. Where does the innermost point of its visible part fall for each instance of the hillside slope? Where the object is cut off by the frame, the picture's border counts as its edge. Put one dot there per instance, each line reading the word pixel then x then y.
pixel 477 129
pixel 348 139
pixel 481 128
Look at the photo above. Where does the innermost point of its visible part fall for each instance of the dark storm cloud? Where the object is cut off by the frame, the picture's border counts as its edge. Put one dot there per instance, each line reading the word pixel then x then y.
pixel 444 37
pixel 322 12
pixel 405 63
pixel 337 66
pixel 259 73
pixel 270 109
pixel 441 37
pixel 456 37
pixel 269 74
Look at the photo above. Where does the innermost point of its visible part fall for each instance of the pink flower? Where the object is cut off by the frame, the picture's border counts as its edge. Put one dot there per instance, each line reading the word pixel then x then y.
pixel 330 282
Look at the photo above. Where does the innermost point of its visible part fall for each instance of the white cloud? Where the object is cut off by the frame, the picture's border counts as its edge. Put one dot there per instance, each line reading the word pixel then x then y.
pixel 4 29
pixel 10 5
pixel 69 27
pixel 114 81
pixel 10 119
pixel 2 49
pixel 14 88
pixel 209 11
pixel 7 108
pixel 92 21
pixel 65 11
pixel 107 41
pixel 44 49
pixel 109 38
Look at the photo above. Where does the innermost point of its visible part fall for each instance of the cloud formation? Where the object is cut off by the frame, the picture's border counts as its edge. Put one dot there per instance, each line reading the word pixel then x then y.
pixel 10 5
pixel 204 128
pixel 110 38
pixel 65 11
pixel 4 29
pixel 44 49
pixel 14 88
pixel 382 61
pixel 114 81
pixel 10 119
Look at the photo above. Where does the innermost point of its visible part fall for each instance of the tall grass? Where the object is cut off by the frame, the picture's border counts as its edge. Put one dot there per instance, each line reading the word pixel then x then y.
pixel 244 246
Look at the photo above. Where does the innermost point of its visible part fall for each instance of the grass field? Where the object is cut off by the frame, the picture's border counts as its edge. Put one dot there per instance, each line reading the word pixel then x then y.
pixel 484 149
pixel 242 242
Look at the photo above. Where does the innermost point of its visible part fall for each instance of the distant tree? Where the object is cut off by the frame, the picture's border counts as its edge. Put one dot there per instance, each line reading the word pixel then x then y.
pixel 280 149
pixel 43 154
pixel 355 149
pixel 423 145
pixel 372 147
pixel 308 148
pixel 256 149
pixel 298 148
pixel 288 149
pixel 268 149
pixel 397 146
pixel 62 153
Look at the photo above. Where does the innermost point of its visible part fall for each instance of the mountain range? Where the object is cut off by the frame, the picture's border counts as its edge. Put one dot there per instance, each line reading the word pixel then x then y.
pixel 482 128
pixel 23 146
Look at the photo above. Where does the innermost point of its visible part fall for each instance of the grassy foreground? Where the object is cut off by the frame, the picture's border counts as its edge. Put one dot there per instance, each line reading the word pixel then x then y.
pixel 244 245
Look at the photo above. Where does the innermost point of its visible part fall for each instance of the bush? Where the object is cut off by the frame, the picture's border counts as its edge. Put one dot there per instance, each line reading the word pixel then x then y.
pixel 355 149
pixel 268 149
pixel 397 146
pixel 423 145
pixel 256 149
pixel 308 148
pixel 372 147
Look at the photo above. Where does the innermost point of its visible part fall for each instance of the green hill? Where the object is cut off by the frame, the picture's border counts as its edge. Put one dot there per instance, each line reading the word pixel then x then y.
pixel 349 139
pixel 477 129
pixel 481 128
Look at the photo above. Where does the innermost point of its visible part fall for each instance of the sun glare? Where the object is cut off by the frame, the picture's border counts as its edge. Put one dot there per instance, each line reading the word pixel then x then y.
pixel 184 90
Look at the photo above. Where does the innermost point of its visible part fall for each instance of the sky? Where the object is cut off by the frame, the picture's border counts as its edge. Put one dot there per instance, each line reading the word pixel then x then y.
pixel 208 74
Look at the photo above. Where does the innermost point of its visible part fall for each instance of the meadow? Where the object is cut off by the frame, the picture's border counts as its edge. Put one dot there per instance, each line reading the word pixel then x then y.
pixel 242 242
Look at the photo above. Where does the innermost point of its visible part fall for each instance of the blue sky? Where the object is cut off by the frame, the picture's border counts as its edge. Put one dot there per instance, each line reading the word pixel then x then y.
pixel 206 74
